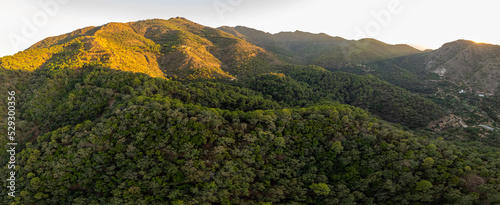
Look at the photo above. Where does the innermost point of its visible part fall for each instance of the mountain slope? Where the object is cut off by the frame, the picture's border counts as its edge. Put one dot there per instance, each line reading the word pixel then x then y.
pixel 473 65
pixel 321 49
pixel 305 86
pixel 160 48
pixel 365 56
pixel 118 137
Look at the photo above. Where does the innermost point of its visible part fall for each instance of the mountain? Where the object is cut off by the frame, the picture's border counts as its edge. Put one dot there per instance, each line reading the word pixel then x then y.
pixel 160 48
pixel 321 49
pixel 365 56
pixel 475 66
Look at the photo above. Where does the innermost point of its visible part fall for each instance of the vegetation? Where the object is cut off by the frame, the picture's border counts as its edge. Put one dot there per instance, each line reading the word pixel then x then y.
pixel 309 85
pixel 172 112
pixel 117 137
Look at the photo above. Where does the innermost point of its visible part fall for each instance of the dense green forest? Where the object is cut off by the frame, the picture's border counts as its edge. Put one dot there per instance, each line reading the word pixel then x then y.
pixel 381 98
pixel 99 136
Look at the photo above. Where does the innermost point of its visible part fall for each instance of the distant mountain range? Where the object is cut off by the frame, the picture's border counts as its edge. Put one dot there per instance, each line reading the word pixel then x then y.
pixel 321 49
pixel 475 66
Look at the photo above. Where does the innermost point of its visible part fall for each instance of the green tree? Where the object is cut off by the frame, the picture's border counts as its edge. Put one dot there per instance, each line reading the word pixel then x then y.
pixel 337 147
pixel 423 185
pixel 320 189
pixel 428 162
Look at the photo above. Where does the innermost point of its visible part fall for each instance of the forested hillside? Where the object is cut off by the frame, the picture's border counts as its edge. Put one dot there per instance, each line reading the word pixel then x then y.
pixel 105 136
pixel 308 85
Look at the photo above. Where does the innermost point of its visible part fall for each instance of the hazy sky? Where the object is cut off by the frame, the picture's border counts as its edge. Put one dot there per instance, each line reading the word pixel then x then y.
pixel 423 23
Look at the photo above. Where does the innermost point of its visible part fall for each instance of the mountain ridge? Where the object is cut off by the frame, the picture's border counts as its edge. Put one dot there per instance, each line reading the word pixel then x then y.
pixel 326 45
pixel 475 66
pixel 128 47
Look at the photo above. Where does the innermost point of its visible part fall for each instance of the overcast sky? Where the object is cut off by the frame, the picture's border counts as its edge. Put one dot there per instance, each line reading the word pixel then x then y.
pixel 421 23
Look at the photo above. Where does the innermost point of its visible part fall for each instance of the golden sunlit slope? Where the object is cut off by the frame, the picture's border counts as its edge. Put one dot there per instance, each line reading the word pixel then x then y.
pixel 160 48
pixel 195 50
pixel 114 45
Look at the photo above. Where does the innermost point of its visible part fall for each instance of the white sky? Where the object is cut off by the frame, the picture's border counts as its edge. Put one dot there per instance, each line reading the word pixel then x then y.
pixel 423 23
